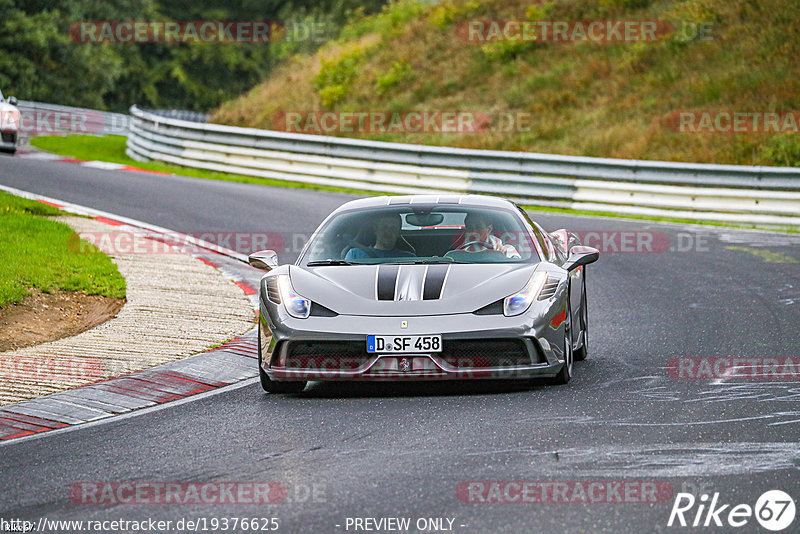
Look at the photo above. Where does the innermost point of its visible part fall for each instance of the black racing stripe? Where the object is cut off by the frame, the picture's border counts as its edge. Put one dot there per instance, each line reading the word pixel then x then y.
pixel 387 280
pixel 434 281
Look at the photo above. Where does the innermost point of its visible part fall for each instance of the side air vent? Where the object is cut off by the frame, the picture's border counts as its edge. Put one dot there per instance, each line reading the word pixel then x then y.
pixel 549 288
pixel 272 290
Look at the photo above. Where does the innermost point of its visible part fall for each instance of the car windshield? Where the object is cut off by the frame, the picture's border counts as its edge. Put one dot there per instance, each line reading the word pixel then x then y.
pixel 422 234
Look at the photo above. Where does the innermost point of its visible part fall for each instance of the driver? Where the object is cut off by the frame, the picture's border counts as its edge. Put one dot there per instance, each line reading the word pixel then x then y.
pixel 479 238
pixel 387 232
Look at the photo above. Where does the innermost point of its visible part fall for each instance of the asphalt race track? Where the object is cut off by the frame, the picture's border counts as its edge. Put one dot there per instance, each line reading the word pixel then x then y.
pixel 381 450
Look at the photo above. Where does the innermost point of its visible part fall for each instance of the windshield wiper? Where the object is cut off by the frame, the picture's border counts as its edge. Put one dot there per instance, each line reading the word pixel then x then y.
pixel 427 262
pixel 319 263
pixel 330 262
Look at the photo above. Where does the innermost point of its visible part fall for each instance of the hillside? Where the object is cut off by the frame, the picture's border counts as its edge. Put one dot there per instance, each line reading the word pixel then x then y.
pixel 577 96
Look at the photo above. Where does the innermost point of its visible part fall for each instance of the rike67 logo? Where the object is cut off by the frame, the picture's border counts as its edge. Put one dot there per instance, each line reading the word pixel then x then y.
pixel 774 510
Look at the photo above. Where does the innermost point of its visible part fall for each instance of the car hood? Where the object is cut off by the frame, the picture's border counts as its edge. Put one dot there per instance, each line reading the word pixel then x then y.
pixel 406 290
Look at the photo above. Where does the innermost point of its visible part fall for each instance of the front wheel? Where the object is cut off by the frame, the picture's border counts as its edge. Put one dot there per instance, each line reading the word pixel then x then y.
pixel 583 351
pixel 272 386
pixel 565 374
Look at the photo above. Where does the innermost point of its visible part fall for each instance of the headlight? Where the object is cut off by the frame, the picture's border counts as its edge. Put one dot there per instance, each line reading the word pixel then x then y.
pixel 296 305
pixel 520 301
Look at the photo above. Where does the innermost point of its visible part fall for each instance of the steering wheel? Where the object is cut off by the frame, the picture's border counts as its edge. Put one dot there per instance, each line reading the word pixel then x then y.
pixel 484 244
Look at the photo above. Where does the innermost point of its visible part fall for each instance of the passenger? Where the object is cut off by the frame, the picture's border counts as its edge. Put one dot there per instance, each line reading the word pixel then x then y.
pixel 387 232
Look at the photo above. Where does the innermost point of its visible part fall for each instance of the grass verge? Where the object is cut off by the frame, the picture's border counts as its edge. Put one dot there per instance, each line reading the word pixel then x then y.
pixel 37 253
pixel 111 148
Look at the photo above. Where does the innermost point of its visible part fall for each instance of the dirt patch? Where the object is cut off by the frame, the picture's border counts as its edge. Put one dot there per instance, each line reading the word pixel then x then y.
pixel 42 317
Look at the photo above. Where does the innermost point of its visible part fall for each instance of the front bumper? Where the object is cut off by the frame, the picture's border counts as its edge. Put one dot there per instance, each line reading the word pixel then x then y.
pixel 533 337
pixel 8 141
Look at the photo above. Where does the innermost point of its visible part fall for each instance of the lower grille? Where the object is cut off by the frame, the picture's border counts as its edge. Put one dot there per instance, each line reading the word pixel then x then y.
pixel 9 137
pixel 458 353
pixel 484 353
pixel 327 355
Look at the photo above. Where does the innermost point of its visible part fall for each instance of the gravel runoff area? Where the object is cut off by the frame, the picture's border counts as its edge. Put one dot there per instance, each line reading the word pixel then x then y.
pixel 176 306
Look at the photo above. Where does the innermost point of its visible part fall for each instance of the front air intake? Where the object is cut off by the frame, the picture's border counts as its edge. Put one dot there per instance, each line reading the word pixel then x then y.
pixel 485 353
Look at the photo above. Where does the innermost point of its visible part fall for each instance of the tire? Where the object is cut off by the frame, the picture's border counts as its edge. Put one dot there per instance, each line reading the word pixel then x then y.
pixel 272 386
pixel 565 374
pixel 583 352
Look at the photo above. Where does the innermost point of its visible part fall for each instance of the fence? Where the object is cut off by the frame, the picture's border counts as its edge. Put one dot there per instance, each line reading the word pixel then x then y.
pixel 37 118
pixel 733 193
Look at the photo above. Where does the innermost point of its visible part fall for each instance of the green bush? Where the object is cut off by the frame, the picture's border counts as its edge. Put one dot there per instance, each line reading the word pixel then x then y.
pixel 782 150
pixel 399 71
pixel 335 77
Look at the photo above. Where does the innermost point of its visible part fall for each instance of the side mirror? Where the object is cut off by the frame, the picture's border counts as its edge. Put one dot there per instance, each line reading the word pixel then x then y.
pixel 265 260
pixel 12 100
pixel 581 255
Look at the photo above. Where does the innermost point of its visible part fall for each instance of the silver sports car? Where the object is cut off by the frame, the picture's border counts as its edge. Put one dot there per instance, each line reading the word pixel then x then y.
pixel 9 124
pixel 424 287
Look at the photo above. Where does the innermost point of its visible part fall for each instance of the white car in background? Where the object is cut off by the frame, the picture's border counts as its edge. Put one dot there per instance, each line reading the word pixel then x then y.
pixel 9 124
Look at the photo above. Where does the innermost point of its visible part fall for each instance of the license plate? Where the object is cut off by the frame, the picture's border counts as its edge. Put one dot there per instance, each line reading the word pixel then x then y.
pixel 404 344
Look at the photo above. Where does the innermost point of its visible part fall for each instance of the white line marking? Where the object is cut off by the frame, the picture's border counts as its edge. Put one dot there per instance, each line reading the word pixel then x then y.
pixel 134 413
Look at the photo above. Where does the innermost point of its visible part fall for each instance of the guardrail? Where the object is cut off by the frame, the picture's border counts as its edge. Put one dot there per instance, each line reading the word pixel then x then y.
pixel 182 114
pixel 38 118
pixel 732 193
